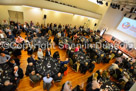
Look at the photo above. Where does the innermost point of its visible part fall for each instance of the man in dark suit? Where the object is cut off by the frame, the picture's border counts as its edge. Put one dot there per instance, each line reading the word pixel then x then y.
pixel 14 62
pixel 8 86
pixel 30 67
pixel 17 74
pixel 19 27
pixel 15 31
pixel 48 52
pixel 32 59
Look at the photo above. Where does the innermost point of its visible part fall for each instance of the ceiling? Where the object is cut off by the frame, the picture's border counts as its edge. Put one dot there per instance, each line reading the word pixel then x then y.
pixel 82 4
pixel 84 7
pixel 125 2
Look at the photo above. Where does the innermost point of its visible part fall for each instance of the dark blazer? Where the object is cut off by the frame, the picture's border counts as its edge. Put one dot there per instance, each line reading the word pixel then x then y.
pixel 29 69
pixel 56 55
pixel 8 88
pixel 30 59
pixel 47 54
pixel 20 73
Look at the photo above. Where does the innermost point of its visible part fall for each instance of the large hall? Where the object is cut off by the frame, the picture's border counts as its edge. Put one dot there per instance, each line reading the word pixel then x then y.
pixel 67 45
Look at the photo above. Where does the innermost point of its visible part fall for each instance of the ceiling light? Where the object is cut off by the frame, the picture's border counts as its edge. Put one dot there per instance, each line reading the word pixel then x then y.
pixel 59 11
pixel 30 6
pixel 93 1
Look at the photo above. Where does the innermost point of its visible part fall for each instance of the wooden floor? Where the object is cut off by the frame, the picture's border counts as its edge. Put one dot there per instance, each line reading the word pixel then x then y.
pixel 75 78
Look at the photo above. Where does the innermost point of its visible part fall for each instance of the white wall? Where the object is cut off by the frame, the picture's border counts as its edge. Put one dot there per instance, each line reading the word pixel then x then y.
pixel 36 15
pixel 111 20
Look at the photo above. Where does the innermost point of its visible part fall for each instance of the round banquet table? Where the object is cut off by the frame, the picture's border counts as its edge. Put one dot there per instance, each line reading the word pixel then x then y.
pixel 81 57
pixel 6 41
pixel 65 41
pixel 42 42
pixel 48 65
pixel 85 40
pixel 110 86
pixel 6 73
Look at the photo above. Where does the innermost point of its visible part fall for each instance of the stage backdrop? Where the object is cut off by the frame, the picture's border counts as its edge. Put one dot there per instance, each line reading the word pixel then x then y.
pixel 128 26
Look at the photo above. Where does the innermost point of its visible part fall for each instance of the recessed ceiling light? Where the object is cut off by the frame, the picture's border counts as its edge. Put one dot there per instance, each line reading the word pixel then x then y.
pixel 93 1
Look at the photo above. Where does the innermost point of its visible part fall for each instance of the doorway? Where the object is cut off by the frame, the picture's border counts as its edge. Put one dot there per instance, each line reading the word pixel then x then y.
pixel 16 16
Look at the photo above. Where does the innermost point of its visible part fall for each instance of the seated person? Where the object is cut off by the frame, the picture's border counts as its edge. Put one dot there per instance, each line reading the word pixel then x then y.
pixel 2 34
pixel 16 51
pixel 14 62
pixel 48 52
pixel 105 75
pixel 114 66
pixel 8 86
pixel 95 76
pixel 63 68
pixel 76 66
pixel 95 85
pixel 64 62
pixel 18 74
pixel 32 59
pixel 56 40
pixel 11 36
pixel 106 59
pixel 47 82
pixel 3 50
pixel 4 58
pixel 126 77
pixel 76 49
pixel 84 67
pixel 128 85
pixel 30 49
pixel 58 77
pixel 67 86
pixel 56 55
pixel 35 77
pixel 40 53
pixel 30 67
pixel 92 66
pixel 59 34
pixel 19 40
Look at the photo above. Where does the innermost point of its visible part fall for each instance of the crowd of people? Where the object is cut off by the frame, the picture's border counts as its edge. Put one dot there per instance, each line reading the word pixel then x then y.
pixel 78 35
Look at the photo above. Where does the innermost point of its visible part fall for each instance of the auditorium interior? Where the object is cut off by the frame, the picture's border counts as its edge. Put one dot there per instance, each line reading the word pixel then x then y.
pixel 67 45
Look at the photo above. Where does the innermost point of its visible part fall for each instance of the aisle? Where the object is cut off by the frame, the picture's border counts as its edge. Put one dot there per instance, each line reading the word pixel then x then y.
pixel 75 78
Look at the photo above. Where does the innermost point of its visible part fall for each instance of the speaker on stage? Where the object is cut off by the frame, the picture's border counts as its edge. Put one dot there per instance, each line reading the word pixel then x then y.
pixel 45 16
pixel 113 38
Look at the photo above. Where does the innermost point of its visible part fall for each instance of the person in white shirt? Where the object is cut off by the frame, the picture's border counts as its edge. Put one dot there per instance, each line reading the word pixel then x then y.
pixel 2 34
pixel 59 34
pixel 8 30
pixel 67 86
pixel 47 82
pixel 40 53
pixel 4 22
